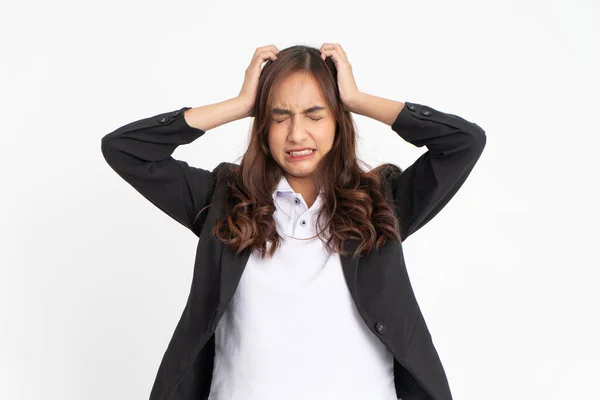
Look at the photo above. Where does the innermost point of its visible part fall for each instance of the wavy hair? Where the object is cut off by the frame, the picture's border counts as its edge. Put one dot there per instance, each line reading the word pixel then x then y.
pixel 354 201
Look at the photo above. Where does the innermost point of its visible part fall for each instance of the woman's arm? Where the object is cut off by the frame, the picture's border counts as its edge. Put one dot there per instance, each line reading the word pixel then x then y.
pixel 454 146
pixel 208 117
pixel 383 110
pixel 140 152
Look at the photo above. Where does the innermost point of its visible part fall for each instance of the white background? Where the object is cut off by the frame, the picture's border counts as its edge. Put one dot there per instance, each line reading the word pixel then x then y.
pixel 93 277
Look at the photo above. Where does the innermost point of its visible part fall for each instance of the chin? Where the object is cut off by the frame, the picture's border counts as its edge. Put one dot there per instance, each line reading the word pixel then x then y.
pixel 299 171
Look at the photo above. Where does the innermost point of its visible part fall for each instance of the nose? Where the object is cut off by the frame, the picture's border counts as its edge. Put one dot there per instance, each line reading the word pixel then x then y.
pixel 297 132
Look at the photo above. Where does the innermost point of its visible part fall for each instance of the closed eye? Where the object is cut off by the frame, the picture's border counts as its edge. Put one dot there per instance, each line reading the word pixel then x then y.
pixel 314 119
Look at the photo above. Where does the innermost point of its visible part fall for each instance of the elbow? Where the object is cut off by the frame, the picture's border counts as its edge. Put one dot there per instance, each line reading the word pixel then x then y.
pixel 108 149
pixel 104 145
pixel 478 139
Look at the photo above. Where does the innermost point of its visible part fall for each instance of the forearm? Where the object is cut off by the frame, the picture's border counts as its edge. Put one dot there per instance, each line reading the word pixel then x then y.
pixel 210 116
pixel 378 108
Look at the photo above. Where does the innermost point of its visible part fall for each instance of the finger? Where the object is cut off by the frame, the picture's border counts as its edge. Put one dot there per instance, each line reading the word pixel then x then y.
pixel 331 46
pixel 335 56
pixel 259 58
pixel 342 52
pixel 268 47
pixel 270 55
pixel 265 55
pixel 327 46
pixel 340 55
pixel 329 53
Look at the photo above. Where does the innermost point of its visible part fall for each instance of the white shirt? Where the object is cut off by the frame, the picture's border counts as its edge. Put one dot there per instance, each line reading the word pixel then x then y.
pixel 292 330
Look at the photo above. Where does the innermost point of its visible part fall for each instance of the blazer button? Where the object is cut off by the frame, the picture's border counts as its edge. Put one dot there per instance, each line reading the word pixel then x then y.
pixel 176 113
pixel 297 200
pixel 412 107
pixel 163 120
pixel 380 328
pixel 425 112
pixel 303 222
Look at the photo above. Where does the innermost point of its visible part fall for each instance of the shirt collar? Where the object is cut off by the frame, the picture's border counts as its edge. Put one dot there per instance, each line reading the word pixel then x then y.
pixel 283 186
pixel 284 196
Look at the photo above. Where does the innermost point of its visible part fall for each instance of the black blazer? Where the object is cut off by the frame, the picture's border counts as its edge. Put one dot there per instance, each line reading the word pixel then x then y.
pixel 140 152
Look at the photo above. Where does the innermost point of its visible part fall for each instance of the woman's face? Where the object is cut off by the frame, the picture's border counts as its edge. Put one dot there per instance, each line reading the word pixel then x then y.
pixel 301 120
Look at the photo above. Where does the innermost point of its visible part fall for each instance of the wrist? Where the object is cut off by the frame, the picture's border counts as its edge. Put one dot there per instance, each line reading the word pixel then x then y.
pixel 355 102
pixel 244 105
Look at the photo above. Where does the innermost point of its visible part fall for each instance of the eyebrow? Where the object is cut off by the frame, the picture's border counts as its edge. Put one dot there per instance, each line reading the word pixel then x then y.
pixel 282 111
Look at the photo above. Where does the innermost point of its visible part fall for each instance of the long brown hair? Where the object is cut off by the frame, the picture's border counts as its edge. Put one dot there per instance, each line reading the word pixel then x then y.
pixel 354 201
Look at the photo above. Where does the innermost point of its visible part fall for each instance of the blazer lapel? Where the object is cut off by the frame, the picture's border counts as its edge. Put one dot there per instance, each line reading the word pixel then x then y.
pixel 232 267
pixel 350 266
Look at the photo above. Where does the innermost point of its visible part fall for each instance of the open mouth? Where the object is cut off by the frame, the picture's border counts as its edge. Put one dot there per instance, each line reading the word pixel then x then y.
pixel 300 156
pixel 301 153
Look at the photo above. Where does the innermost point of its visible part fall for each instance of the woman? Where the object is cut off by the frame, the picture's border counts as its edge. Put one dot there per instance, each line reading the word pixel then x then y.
pixel 300 288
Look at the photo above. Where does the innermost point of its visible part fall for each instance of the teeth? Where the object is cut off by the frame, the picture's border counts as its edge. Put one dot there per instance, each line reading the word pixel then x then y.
pixel 300 153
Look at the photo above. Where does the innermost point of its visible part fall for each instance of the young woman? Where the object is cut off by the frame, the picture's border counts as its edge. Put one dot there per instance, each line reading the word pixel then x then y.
pixel 300 290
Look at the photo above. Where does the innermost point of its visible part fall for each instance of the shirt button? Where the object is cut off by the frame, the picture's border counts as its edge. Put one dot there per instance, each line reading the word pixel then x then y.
pixel 297 200
pixel 303 222
pixel 380 328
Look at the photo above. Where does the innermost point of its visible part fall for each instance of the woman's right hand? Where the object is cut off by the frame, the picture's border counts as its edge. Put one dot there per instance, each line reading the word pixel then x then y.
pixel 249 89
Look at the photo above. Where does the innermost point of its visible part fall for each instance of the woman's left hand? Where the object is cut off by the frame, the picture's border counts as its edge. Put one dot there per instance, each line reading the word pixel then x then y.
pixel 348 90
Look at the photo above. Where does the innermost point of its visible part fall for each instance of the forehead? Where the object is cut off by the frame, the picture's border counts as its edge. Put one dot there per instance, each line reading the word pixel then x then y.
pixel 298 90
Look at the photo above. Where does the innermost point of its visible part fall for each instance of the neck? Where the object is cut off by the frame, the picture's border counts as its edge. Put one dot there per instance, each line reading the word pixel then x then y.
pixel 304 186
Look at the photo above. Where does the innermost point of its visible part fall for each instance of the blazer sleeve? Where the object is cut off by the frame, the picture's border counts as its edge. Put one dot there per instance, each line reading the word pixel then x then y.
pixel 140 152
pixel 453 147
